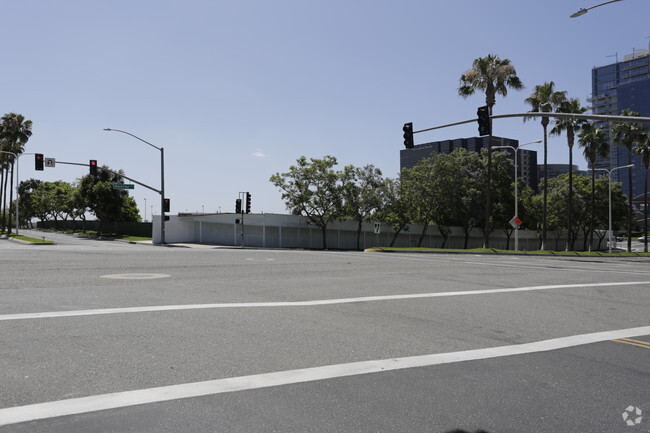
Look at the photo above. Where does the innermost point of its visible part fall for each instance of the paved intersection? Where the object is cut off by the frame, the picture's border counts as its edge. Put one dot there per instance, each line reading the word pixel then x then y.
pixel 294 315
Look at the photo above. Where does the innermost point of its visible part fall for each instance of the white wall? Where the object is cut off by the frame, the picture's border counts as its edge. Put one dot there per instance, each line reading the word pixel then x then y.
pixel 292 231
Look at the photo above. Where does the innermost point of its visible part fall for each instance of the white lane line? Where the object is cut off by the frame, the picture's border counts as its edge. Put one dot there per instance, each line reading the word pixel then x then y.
pixel 75 406
pixel 103 311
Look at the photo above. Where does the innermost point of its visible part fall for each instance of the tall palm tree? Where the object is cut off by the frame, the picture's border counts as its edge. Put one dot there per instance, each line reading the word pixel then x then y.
pixel 545 99
pixel 570 126
pixel 491 75
pixel 15 133
pixel 643 148
pixel 594 143
pixel 627 135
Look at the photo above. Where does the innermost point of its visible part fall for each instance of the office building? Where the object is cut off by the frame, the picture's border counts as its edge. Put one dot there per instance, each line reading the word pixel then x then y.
pixel 556 170
pixel 623 85
pixel 527 164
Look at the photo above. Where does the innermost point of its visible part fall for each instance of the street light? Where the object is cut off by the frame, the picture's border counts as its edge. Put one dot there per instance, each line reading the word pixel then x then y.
pixel 609 177
pixel 514 150
pixel 583 11
pixel 162 180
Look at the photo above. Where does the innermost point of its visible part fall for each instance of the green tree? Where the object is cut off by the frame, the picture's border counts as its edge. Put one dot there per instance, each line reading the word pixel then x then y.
pixel 362 189
pixel 627 134
pixel 570 126
pixel 419 182
pixel 104 201
pixel 26 190
pixel 643 149
pixel 594 143
pixel 544 99
pixel 467 179
pixel 396 206
pixel 503 190
pixel 313 189
pixel 491 75
pixel 14 134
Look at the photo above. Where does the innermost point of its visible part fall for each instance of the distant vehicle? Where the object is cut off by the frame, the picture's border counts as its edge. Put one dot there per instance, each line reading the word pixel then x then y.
pixel 619 239
pixel 643 239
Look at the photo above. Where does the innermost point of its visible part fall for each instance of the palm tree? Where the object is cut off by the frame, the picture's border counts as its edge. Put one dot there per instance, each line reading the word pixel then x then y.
pixel 643 148
pixel 15 133
pixel 594 143
pixel 571 126
pixel 492 75
pixel 627 135
pixel 545 99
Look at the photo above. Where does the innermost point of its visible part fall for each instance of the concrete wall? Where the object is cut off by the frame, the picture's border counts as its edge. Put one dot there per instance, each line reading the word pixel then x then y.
pixel 292 231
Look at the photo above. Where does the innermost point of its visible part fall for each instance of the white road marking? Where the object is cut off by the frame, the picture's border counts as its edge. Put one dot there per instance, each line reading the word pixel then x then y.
pixel 135 276
pixel 75 406
pixel 74 313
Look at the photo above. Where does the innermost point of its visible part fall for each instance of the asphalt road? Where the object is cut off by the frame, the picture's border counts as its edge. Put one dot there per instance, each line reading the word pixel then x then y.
pixel 112 337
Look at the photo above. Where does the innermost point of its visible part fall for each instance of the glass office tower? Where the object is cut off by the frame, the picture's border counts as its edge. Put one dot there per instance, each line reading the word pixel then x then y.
pixel 615 87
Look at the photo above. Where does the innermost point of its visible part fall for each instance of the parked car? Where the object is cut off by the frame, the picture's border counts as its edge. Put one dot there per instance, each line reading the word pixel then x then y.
pixel 642 239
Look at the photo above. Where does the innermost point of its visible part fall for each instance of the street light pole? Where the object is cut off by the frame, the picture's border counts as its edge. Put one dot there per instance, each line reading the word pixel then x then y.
pixel 162 180
pixel 515 151
pixel 583 11
pixel 609 177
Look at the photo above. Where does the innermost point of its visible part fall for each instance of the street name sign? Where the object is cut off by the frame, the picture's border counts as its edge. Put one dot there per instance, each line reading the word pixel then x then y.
pixel 123 186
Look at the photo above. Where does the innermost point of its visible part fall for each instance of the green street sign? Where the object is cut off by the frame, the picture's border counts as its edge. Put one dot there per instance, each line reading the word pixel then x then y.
pixel 123 186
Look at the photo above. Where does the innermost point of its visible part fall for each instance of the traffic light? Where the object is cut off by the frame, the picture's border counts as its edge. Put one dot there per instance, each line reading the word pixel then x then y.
pixel 238 205
pixel 248 202
pixel 93 167
pixel 166 205
pixel 408 135
pixel 38 161
pixel 484 121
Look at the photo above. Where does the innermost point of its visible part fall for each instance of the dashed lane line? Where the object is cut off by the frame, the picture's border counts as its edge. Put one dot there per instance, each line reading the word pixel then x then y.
pixel 76 406
pixel 145 309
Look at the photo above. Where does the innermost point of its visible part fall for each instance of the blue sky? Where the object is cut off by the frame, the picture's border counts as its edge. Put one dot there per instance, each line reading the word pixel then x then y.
pixel 235 91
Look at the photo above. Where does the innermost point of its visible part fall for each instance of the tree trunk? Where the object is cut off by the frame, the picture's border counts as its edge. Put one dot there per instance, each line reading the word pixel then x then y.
pixel 392 242
pixel 11 198
pixel 324 231
pixel 488 205
pixel 4 200
pixel 422 235
pixel 593 207
pixel 569 238
pixel 359 226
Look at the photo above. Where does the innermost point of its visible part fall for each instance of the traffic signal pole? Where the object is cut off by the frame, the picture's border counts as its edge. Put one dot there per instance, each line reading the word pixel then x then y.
pixel 162 180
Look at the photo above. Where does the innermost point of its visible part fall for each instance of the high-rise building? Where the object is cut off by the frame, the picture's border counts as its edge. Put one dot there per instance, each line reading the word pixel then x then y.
pixel 527 164
pixel 616 87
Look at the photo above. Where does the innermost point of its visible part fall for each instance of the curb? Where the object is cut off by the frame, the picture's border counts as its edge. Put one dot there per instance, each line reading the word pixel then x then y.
pixel 598 254
pixel 20 241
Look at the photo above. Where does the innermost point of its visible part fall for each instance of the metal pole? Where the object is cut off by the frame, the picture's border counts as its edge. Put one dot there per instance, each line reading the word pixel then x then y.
pixel 162 181
pixel 515 151
pixel 162 196
pixel 610 211
pixel 17 192
pixel 609 176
